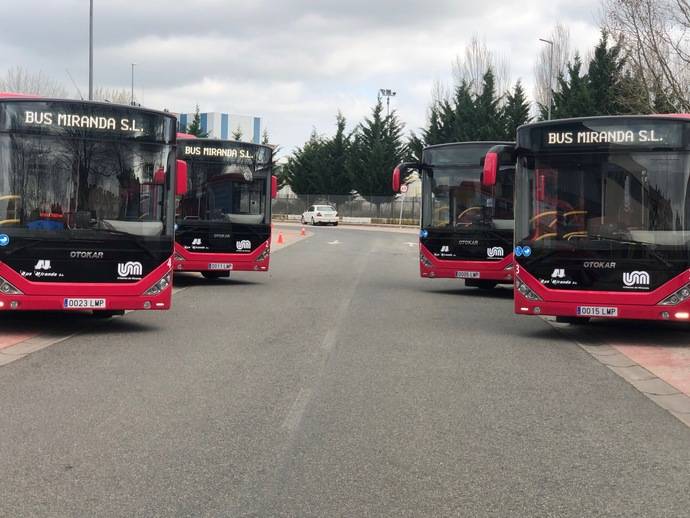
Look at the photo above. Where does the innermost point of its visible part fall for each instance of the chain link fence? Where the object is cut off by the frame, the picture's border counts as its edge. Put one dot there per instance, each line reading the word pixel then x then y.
pixel 377 209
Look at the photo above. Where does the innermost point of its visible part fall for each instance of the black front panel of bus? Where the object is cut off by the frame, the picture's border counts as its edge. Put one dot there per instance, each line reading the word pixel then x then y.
pixel 117 260
pixel 623 270
pixel 474 245
pixel 221 237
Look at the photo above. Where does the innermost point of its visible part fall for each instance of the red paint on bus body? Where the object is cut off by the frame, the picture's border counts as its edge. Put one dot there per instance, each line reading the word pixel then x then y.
pixel 500 271
pixel 200 261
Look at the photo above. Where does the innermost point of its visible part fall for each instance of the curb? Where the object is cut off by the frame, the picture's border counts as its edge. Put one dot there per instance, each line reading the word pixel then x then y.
pixel 654 388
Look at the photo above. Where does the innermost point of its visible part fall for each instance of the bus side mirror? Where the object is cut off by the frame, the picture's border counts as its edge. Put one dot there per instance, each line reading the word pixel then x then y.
pixel 181 178
pixel 490 169
pixel 396 179
pixel 274 187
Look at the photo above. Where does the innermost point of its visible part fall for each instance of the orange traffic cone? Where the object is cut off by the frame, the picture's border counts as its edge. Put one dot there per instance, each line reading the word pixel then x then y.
pixel 281 241
pixel 302 232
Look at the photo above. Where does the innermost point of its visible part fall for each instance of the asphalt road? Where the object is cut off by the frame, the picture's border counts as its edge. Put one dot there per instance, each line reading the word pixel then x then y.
pixel 340 384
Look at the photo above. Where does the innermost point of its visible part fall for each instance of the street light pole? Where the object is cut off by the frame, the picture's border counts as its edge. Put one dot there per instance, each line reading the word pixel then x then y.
pixel 387 93
pixel 550 43
pixel 132 102
pixel 90 50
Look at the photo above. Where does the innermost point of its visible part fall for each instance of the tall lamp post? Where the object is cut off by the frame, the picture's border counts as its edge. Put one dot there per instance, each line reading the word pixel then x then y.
pixel 90 50
pixel 550 43
pixel 132 102
pixel 387 93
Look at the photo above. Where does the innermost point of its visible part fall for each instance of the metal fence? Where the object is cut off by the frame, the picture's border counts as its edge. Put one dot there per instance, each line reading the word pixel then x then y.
pixel 375 208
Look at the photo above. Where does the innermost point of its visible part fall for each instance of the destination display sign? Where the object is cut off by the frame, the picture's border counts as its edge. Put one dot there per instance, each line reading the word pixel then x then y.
pixel 225 151
pixel 607 133
pixel 82 119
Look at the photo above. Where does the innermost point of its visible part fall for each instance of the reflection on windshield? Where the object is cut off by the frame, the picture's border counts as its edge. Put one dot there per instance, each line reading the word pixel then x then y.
pixel 585 198
pixel 456 199
pixel 53 184
pixel 222 192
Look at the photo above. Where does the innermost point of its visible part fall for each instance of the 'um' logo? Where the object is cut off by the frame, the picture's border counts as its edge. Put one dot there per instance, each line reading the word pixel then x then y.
pixel 631 279
pixel 496 251
pixel 130 269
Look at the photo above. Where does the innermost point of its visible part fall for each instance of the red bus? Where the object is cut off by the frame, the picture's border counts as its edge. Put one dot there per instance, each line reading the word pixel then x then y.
pixel 224 220
pixel 87 196
pixel 467 222
pixel 602 218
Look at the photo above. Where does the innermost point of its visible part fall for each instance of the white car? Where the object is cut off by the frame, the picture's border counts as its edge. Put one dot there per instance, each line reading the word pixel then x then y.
pixel 320 215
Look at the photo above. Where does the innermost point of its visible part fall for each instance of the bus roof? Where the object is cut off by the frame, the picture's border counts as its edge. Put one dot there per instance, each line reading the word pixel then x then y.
pixel 681 117
pixel 13 96
pixel 472 143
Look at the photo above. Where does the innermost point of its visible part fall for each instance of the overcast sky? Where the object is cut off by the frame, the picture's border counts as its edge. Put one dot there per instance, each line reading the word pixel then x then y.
pixel 292 62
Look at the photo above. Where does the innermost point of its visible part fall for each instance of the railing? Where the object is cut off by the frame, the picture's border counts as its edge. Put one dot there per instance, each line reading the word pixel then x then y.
pixel 377 209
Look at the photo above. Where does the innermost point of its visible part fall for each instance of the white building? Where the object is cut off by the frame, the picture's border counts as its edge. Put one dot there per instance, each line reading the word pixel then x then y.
pixel 222 125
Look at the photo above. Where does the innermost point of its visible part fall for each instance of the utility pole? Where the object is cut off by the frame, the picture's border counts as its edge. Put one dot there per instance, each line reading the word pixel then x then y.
pixel 550 43
pixel 387 93
pixel 90 50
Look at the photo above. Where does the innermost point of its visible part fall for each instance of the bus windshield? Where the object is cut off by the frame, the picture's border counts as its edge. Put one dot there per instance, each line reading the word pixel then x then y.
pixel 224 192
pixel 605 201
pixel 52 184
pixel 457 200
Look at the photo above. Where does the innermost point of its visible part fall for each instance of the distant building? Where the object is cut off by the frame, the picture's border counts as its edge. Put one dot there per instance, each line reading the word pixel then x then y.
pixel 222 125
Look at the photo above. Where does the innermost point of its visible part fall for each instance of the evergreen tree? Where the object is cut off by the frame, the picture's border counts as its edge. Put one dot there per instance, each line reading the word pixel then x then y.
pixel 264 137
pixel 304 170
pixel 415 146
pixel 487 115
pixel 237 134
pixel 515 113
pixel 573 98
pixel 337 150
pixel 376 149
pixel 195 127
pixel 464 114
pixel 432 135
pixel 605 75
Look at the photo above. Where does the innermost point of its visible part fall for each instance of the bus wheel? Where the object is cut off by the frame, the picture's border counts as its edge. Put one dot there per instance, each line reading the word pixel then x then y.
pixel 215 275
pixel 108 314
pixel 573 321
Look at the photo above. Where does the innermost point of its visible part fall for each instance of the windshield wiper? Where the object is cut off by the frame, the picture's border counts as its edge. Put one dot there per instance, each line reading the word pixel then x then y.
pixel 133 238
pixel 31 242
pixel 647 246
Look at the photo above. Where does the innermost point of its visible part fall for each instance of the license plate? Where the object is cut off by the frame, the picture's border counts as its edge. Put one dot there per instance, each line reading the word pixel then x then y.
pixel 597 311
pixel 83 304
pixel 467 275
pixel 220 266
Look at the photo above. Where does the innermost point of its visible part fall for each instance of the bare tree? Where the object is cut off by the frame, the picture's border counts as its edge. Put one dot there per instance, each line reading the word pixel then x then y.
pixel 477 60
pixel 655 36
pixel 562 54
pixel 19 80
pixel 113 95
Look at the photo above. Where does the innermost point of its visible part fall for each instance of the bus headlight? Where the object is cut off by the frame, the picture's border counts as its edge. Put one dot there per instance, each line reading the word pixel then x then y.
pixel 8 289
pixel 525 290
pixel 263 255
pixel 160 286
pixel 425 261
pixel 679 296
pixel 179 258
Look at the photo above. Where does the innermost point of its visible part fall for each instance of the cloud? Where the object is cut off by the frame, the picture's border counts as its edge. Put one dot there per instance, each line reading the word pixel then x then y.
pixel 294 62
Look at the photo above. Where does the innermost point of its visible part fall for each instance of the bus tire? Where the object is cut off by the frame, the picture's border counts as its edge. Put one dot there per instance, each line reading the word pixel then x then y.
pixel 215 275
pixel 573 321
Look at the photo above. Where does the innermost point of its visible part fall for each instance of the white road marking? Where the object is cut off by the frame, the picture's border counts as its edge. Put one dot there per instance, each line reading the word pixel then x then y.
pixel 336 242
